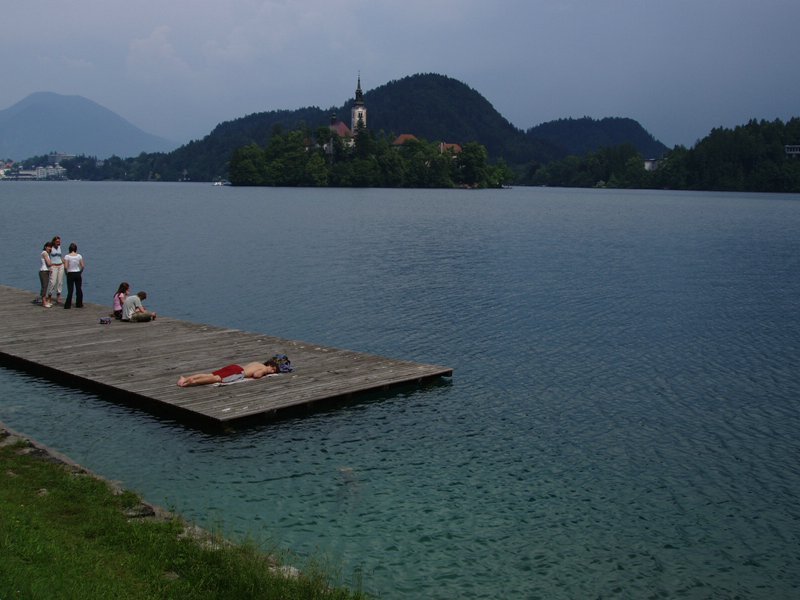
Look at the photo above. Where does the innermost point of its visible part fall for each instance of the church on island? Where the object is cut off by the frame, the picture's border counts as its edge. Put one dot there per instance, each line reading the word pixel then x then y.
pixel 358 122
pixel 358 119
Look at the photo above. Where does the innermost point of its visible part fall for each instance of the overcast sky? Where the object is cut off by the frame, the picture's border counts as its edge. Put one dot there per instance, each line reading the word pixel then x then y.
pixel 177 68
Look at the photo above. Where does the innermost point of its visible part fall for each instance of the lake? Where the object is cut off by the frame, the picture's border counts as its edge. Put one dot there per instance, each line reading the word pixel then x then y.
pixel 623 417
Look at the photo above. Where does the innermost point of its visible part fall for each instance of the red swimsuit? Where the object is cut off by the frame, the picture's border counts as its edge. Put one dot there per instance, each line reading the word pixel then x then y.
pixel 230 373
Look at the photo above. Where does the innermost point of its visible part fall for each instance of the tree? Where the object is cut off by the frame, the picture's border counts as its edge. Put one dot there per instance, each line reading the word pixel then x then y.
pixel 316 171
pixel 471 165
pixel 286 159
pixel 248 166
pixel 499 175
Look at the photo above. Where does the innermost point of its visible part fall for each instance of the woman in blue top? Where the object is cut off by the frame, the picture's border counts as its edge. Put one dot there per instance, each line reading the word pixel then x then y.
pixel 56 271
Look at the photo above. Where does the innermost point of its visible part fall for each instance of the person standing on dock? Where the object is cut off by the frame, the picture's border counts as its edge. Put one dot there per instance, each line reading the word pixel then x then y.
pixel 134 311
pixel 44 274
pixel 74 264
pixel 56 271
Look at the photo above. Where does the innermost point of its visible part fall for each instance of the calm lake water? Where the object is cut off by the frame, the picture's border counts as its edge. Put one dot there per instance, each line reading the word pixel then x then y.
pixel 623 417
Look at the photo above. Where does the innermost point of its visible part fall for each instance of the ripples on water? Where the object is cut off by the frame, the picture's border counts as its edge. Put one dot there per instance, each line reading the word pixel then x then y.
pixel 622 419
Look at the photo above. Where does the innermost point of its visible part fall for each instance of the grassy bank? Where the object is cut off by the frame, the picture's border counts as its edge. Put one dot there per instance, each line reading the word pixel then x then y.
pixel 67 534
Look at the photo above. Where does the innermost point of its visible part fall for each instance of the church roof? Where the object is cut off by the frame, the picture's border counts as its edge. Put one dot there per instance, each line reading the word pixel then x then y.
pixel 340 129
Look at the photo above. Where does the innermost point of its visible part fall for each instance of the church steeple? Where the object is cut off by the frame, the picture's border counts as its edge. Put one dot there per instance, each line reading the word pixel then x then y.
pixel 359 94
pixel 358 113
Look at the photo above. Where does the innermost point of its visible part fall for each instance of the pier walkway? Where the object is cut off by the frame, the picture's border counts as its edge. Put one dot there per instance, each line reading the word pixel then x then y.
pixel 140 363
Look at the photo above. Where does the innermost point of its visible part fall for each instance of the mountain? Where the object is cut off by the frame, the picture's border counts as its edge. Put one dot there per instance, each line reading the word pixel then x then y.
pixel 439 108
pixel 582 136
pixel 207 159
pixel 432 107
pixel 45 122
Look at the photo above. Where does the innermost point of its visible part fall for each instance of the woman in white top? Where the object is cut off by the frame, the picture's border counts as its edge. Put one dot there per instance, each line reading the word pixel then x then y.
pixel 74 264
pixel 44 273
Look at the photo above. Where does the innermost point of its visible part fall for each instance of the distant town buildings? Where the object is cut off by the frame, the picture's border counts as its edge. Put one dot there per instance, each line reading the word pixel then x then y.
pixel 55 158
pixel 51 171
pixel 651 164
pixel 38 174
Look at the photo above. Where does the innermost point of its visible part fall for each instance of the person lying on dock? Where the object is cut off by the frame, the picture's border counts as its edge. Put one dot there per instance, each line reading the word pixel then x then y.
pixel 231 374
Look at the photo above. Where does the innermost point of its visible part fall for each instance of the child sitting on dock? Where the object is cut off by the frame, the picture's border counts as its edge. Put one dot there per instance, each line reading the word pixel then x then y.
pixel 232 373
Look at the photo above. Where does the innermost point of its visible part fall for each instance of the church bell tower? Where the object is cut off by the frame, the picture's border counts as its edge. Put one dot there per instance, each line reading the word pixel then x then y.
pixel 358 113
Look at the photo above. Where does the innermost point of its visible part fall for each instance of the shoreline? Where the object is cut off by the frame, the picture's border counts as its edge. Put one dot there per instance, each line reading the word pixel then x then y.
pixel 9 436
pixel 144 510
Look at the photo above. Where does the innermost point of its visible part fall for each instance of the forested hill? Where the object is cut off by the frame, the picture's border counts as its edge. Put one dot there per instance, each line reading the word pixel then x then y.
pixel 207 159
pixel 431 107
pixel 438 108
pixel 582 136
pixel 755 157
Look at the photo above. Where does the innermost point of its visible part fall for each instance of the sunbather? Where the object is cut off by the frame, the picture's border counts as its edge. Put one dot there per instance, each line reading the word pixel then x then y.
pixel 231 374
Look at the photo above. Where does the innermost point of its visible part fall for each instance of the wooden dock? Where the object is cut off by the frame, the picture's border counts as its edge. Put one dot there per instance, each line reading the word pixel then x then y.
pixel 139 363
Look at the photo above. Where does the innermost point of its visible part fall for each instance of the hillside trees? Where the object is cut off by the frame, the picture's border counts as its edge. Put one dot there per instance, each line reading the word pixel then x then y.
pixel 618 166
pixel 297 158
pixel 582 136
pixel 750 157
pixel 248 165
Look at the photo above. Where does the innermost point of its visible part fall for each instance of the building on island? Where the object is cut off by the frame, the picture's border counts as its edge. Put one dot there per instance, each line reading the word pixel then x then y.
pixel 403 138
pixel 358 112
pixel 339 128
pixel 358 120
pixel 444 147
pixel 451 148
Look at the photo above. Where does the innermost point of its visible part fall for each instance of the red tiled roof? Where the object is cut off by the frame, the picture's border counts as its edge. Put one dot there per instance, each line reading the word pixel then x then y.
pixel 445 147
pixel 403 138
pixel 340 129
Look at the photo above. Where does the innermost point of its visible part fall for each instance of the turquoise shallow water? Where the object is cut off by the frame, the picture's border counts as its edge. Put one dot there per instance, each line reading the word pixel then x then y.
pixel 622 420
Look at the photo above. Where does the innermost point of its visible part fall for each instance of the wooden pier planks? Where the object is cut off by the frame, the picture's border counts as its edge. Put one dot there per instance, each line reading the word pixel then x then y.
pixel 144 360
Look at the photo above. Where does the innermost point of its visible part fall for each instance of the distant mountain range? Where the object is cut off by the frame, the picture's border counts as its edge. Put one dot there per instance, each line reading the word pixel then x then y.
pixel 430 106
pixel 45 122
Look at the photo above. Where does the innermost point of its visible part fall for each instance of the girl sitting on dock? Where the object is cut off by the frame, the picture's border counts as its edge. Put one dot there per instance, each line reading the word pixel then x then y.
pixel 119 298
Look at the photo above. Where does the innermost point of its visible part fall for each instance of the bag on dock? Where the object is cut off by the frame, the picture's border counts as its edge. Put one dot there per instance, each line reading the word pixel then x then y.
pixel 283 362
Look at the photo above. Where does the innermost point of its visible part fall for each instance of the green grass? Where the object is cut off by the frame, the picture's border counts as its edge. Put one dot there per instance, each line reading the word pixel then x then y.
pixel 65 534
